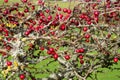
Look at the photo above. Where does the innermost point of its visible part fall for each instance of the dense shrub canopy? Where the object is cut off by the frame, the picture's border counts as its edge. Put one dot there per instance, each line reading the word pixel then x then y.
pixel 76 42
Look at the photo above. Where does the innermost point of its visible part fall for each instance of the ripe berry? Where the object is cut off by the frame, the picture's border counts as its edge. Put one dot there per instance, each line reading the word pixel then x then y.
pixel 65 10
pixel 49 42
pixel 53 33
pixel 87 18
pixel 29 3
pixel 96 19
pixel 9 63
pixel 62 27
pixel 41 48
pixel 8 47
pixel 60 16
pixel 24 1
pixel 48 52
pixel 96 13
pixel 87 36
pixel 87 40
pixel 81 61
pixel 80 57
pixel 47 10
pixel 89 22
pixel 81 50
pixel 113 14
pixel 82 16
pixel 67 57
pixel 55 56
pixel 49 17
pixel 27 33
pixel 59 9
pixel 6 1
pixel 6 12
pixel 4 53
pixel 33 7
pixel 77 50
pixel 115 60
pixel 51 49
pixel 26 10
pixel 109 35
pixel 69 11
pixel 85 29
pixel 22 76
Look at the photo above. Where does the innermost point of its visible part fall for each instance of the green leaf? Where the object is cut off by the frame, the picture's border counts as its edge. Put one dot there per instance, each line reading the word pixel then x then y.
pixel 36 52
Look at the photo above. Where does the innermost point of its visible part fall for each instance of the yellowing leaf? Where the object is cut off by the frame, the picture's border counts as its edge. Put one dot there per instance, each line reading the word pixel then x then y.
pixel 15 63
pixel 23 39
pixel 9 68
pixel 4 72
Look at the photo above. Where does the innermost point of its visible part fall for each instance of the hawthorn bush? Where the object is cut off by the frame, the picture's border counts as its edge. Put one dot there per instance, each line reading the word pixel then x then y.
pixel 79 41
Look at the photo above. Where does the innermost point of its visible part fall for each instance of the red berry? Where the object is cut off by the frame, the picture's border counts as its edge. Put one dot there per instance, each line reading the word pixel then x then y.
pixel 41 14
pixel 87 40
pixel 67 57
pixel 6 34
pixel 85 29
pixel 87 18
pixel 113 14
pixel 29 3
pixel 82 16
pixel 49 42
pixel 77 50
pixel 49 17
pixel 55 56
pixel 26 10
pixel 27 33
pixel 47 11
pixel 6 12
pixel 96 19
pixel 60 16
pixel 65 10
pixel 53 33
pixel 62 27
pixel 87 36
pixel 24 1
pixel 80 57
pixel 8 47
pixel 109 35
pixel 115 60
pixel 96 13
pixel 48 52
pixel 89 22
pixel 81 50
pixel 22 76
pixel 81 61
pixel 59 9
pixel 33 7
pixel 41 48
pixel 4 53
pixel 69 11
pixel 51 49
pixel 6 1
pixel 9 63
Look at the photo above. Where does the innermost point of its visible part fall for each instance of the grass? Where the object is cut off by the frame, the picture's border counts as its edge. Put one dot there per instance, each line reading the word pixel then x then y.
pixel 107 75
pixel 60 3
